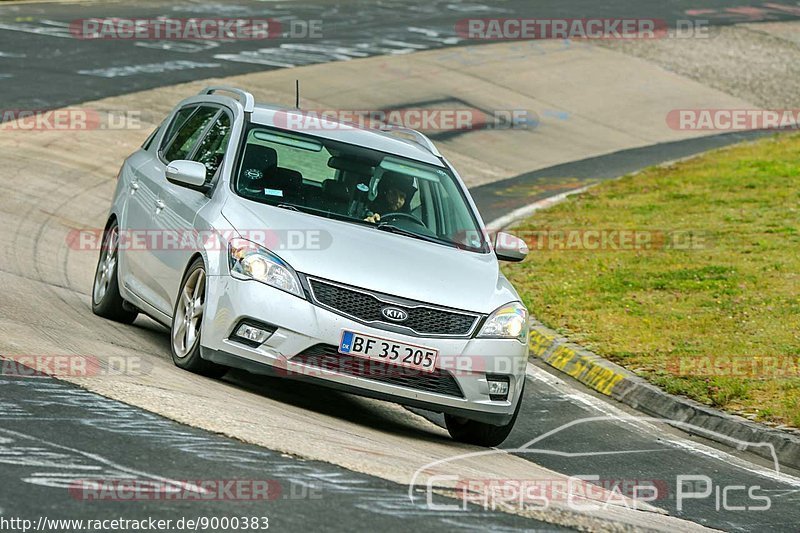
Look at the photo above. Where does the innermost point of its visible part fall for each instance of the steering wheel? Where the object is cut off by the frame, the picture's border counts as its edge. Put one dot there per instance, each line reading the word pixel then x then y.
pixel 407 216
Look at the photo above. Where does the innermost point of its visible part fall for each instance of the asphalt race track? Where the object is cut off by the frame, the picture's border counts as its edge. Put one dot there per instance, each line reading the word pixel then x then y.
pixel 47 68
pixel 109 439
pixel 52 431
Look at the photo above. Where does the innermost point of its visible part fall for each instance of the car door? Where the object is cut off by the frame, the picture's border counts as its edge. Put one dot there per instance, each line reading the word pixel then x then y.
pixel 137 225
pixel 144 213
pixel 179 204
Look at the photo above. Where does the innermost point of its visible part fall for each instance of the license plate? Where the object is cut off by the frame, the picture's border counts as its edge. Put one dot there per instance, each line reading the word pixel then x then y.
pixel 387 351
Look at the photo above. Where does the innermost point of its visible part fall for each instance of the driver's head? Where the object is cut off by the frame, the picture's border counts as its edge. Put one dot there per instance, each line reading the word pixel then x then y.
pixel 395 190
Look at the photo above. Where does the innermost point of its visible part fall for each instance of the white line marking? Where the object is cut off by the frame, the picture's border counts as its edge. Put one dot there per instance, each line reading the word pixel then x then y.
pixel 403 44
pixel 182 47
pixel 524 212
pixel 107 462
pixel 647 426
pixel 253 58
pixel 38 30
pixel 150 68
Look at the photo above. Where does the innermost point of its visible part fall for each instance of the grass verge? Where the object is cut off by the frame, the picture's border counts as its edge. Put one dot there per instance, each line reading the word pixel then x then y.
pixel 697 290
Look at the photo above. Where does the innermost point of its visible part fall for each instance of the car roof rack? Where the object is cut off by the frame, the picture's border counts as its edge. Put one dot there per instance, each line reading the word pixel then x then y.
pixel 244 97
pixel 417 137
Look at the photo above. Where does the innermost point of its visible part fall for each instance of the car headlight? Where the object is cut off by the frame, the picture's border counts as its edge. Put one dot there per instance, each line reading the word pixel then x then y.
pixel 250 261
pixel 508 322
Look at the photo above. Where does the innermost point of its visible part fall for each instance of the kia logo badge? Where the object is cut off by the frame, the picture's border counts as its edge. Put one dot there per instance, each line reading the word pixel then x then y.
pixel 394 314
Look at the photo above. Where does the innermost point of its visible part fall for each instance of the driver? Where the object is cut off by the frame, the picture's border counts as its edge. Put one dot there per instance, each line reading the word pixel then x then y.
pixel 394 196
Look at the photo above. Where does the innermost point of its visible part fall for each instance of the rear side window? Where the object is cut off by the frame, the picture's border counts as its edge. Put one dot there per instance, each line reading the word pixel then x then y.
pixel 177 122
pixel 149 141
pixel 211 150
pixel 189 133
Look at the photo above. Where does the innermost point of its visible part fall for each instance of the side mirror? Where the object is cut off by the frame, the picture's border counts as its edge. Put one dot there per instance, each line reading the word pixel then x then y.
pixel 187 173
pixel 509 248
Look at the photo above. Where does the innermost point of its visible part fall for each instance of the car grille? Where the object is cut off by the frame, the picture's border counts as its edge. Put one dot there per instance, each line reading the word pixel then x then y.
pixel 327 357
pixel 366 307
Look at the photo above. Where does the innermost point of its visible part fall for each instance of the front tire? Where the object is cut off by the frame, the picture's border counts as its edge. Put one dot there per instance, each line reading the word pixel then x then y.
pixel 187 324
pixel 480 433
pixel 107 301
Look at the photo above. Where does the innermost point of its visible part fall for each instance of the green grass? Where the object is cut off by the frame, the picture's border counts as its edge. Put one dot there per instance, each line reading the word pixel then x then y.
pixel 734 294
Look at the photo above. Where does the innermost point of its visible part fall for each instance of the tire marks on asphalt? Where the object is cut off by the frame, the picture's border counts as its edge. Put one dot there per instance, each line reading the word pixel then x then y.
pixel 104 440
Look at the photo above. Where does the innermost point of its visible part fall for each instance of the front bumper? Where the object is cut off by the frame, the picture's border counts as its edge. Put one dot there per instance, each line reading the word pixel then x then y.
pixel 304 329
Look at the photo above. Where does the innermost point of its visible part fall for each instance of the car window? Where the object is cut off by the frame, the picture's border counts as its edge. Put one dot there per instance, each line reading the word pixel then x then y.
pixel 421 205
pixel 177 122
pixel 211 149
pixel 188 134
pixel 313 166
pixel 356 184
pixel 149 141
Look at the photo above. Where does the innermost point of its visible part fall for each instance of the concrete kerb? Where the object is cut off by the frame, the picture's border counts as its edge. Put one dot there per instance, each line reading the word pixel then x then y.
pixel 612 380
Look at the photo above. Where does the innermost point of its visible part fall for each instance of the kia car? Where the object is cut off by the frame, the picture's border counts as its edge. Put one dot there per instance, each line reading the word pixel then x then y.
pixel 321 251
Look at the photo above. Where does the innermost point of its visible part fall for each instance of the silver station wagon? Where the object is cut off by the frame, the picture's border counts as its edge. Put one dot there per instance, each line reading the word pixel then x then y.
pixel 350 257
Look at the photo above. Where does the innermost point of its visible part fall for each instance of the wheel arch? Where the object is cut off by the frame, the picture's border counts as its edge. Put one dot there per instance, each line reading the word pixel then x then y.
pixel 194 257
pixel 112 217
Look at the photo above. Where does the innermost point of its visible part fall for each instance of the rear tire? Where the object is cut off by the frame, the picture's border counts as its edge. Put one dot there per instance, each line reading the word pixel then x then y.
pixel 480 433
pixel 187 320
pixel 107 301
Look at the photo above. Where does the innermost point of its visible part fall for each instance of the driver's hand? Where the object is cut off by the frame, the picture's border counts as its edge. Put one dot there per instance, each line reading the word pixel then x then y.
pixel 374 218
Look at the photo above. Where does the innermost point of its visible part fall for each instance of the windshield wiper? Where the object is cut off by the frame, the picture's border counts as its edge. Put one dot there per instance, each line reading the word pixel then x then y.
pixel 384 226
pixel 323 213
pixel 391 228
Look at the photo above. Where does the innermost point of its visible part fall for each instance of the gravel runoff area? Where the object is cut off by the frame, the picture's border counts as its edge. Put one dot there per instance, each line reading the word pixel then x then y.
pixel 758 62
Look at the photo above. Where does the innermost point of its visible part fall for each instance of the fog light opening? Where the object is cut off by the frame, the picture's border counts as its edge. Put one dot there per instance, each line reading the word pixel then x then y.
pixel 252 333
pixel 498 387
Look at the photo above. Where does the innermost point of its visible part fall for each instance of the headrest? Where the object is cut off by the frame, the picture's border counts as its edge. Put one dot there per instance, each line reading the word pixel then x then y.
pixel 335 190
pixel 395 180
pixel 259 157
pixel 286 176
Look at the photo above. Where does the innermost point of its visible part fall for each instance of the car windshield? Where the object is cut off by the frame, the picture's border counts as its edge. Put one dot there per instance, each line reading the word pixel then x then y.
pixel 356 184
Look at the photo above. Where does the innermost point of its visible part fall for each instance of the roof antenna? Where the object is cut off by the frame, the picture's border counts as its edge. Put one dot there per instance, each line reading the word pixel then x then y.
pixel 297 93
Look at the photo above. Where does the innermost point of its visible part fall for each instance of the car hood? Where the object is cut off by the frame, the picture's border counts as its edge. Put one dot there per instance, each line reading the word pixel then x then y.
pixel 365 257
